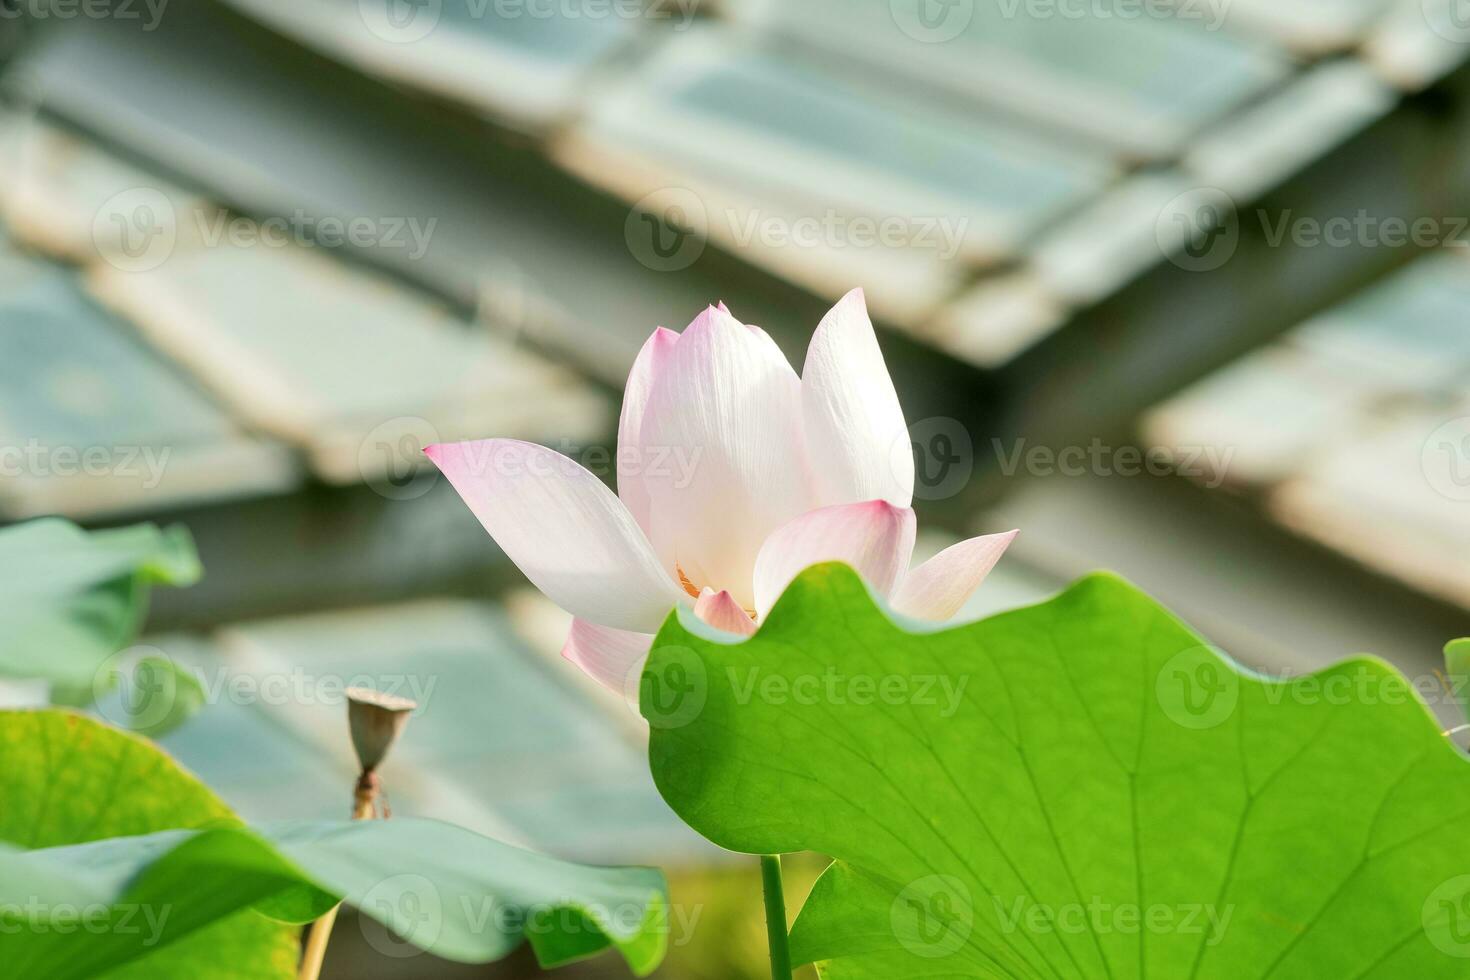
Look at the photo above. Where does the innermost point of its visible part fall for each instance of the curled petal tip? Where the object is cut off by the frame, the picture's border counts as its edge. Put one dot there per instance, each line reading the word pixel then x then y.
pixel 721 611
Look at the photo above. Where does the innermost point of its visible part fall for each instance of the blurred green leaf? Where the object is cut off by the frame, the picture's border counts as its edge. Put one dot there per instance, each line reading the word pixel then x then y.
pixel 70 598
pixel 1079 789
pixel 152 694
pixel 440 887
pixel 68 780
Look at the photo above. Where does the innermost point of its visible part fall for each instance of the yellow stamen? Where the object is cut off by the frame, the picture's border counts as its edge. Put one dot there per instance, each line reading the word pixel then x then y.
pixel 689 586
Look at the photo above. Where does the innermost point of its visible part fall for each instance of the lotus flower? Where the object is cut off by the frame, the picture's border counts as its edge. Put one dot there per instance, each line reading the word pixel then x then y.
pixel 734 475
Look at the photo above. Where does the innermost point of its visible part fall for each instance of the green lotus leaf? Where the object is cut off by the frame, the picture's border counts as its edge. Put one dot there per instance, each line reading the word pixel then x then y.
pixel 71 599
pixel 67 783
pixel 1084 788
pixel 154 896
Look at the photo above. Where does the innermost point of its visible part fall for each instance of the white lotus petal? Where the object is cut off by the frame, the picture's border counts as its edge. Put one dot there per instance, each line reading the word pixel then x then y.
pixel 614 658
pixel 632 460
pixel 568 532
pixel 938 588
pixel 855 431
pixel 725 409
pixel 876 538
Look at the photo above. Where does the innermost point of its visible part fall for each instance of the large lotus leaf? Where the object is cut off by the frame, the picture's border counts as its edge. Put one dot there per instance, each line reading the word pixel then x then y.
pixel 1083 788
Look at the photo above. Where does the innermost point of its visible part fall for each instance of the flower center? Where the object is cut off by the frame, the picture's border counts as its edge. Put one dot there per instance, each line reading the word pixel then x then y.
pixel 695 591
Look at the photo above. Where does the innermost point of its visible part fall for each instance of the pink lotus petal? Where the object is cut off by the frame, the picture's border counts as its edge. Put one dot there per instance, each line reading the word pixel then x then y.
pixel 855 430
pixel 938 588
pixel 721 611
pixel 876 538
pixel 724 409
pixel 632 460
pixel 613 658
pixel 568 532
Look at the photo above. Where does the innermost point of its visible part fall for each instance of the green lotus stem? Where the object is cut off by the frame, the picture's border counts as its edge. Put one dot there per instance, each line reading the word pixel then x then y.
pixel 364 805
pixel 776 917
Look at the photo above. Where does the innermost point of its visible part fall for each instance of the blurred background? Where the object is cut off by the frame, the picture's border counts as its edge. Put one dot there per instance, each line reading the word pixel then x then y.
pixel 1180 288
